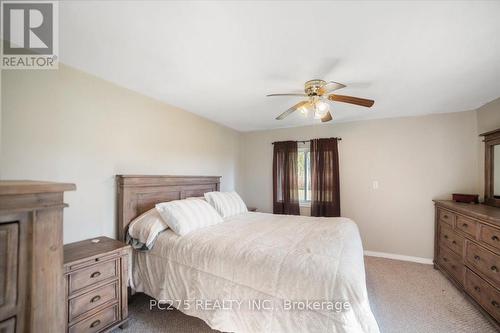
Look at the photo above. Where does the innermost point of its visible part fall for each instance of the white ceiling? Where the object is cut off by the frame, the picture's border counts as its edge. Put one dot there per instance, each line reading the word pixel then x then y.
pixel 220 59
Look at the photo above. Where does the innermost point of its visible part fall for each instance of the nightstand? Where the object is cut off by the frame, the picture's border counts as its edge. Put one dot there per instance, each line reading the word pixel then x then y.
pixel 96 275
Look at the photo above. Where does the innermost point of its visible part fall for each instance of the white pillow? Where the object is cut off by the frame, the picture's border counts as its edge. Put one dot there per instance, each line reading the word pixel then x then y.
pixel 226 203
pixel 184 216
pixel 142 231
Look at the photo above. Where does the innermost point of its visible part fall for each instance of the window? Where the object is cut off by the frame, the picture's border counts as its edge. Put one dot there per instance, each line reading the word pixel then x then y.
pixel 304 170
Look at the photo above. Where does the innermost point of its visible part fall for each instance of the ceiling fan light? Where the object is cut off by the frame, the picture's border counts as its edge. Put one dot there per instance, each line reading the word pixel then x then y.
pixel 319 115
pixel 304 111
pixel 321 109
pixel 322 106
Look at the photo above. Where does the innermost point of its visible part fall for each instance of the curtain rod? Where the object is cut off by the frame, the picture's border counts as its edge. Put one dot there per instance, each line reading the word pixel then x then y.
pixel 304 141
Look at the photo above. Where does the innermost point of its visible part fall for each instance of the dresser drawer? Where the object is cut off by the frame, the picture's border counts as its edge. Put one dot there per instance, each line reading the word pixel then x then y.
pixel 483 293
pixel 92 275
pixel 97 322
pixel 467 225
pixel 93 299
pixel 452 263
pixel 8 268
pixel 490 236
pixel 451 239
pixel 446 216
pixel 8 326
pixel 92 261
pixel 485 261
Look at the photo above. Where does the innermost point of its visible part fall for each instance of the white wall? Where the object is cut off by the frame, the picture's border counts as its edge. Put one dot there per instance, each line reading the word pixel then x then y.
pixel 69 126
pixel 414 160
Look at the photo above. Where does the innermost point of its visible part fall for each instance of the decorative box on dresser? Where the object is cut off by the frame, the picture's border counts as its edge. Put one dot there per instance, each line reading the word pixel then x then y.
pixel 467 251
pixel 96 273
pixel 31 256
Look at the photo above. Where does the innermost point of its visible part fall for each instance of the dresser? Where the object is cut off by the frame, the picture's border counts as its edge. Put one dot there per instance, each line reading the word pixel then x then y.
pixel 31 256
pixel 467 251
pixel 96 275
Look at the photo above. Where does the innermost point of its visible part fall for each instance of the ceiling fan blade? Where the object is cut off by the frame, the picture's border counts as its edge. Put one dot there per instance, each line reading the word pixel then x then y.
pixel 331 86
pixel 291 110
pixel 326 117
pixel 290 94
pixel 352 100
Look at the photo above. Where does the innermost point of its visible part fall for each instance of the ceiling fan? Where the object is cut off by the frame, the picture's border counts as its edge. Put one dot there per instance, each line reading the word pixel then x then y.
pixel 318 93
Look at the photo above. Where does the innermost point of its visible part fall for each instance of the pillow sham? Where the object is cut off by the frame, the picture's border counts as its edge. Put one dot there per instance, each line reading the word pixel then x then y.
pixel 226 203
pixel 143 230
pixel 184 216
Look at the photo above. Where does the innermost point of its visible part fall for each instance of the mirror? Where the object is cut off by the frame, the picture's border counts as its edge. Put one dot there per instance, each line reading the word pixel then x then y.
pixel 496 171
pixel 492 168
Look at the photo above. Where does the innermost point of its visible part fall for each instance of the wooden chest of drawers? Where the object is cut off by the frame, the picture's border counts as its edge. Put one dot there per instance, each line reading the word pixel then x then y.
pixel 31 256
pixel 96 284
pixel 467 251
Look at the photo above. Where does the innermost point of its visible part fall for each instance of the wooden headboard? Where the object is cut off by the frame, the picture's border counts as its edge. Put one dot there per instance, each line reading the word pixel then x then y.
pixel 138 193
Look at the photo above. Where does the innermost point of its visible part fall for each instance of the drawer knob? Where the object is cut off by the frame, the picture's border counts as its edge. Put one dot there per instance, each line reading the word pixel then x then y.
pixel 494 268
pixel 445 216
pixel 465 225
pixel 445 259
pixel 95 323
pixel 95 274
pixel 95 299
pixel 446 236
pixel 453 266
pixel 477 257
pixel 476 288
pixel 495 238
pixel 495 304
pixel 454 242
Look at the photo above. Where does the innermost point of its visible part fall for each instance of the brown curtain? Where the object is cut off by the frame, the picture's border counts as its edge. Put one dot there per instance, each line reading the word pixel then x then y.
pixel 285 178
pixel 325 187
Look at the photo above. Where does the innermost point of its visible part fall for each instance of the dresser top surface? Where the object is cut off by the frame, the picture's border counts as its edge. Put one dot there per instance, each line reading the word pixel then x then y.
pixel 87 249
pixel 489 213
pixel 14 187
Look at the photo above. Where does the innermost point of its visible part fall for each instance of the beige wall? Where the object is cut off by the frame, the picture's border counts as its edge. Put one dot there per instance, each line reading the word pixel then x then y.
pixel 488 116
pixel 414 160
pixel 69 126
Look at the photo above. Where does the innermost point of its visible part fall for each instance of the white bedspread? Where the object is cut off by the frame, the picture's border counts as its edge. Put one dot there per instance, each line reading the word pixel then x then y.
pixel 223 273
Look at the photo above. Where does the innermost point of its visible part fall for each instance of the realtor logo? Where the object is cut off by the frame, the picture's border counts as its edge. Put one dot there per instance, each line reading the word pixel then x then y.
pixel 29 34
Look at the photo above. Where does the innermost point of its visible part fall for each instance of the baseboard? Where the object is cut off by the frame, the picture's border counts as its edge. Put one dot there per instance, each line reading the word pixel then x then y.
pixel 398 257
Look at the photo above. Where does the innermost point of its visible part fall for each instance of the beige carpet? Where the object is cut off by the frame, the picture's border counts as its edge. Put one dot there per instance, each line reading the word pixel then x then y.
pixel 405 297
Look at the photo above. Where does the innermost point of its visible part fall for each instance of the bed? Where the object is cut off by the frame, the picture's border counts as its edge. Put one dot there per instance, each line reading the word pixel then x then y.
pixel 254 272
